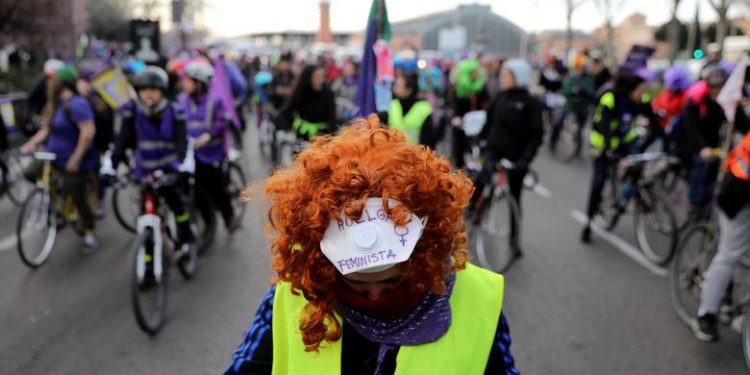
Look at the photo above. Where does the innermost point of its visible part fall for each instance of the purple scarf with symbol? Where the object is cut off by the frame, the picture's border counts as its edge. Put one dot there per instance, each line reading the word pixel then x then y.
pixel 429 322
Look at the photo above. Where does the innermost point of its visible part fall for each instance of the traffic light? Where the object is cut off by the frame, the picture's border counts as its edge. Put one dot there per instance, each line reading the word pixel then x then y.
pixel 698 54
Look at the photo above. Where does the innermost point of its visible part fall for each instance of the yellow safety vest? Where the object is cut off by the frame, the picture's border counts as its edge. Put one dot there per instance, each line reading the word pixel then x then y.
pixel 464 349
pixel 411 124
pixel 306 128
pixel 597 138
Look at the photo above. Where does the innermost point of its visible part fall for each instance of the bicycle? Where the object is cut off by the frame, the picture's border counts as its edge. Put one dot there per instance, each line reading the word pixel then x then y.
pixel 154 249
pixel 12 182
pixel 693 257
pixel 127 199
pixel 267 134
pixel 569 140
pixel 496 215
pixel 235 182
pixel 45 211
pixel 654 219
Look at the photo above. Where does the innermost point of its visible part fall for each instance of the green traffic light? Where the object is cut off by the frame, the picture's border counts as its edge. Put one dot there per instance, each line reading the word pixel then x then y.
pixel 698 54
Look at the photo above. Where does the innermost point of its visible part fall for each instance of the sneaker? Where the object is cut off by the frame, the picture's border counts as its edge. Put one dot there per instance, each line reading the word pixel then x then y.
pixel 90 243
pixel 706 328
pixel 586 234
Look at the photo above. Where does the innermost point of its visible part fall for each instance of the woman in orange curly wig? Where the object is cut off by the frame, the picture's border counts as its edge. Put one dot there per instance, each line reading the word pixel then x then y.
pixel 368 243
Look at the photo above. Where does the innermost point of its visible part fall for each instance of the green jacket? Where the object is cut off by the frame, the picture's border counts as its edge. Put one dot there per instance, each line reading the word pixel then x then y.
pixel 579 93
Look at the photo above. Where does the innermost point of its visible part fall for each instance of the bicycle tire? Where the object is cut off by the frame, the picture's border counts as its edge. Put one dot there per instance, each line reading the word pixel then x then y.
pixel 656 251
pixel 493 236
pixel 235 184
pixel 119 207
pixel 203 218
pixel 692 258
pixel 149 322
pixel 47 222
pixel 18 189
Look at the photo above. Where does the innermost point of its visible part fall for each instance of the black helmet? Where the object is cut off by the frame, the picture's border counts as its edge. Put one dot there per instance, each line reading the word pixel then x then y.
pixel 152 77
pixel 716 76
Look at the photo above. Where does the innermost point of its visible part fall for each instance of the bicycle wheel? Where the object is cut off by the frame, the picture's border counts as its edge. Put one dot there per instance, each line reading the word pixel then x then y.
pixel 126 204
pixel 18 188
pixel 567 142
pixel 493 234
pixel 655 226
pixel 203 220
pixel 267 140
pixel 691 260
pixel 609 214
pixel 149 293
pixel 36 230
pixel 188 262
pixel 236 183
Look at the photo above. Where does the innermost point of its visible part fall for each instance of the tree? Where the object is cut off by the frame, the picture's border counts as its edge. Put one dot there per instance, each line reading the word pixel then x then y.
pixel 674 30
pixel 570 8
pixel 607 10
pixel 722 8
pixel 664 34
pixel 109 18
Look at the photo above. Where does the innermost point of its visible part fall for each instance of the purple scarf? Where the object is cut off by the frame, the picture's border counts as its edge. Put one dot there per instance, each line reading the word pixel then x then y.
pixel 429 322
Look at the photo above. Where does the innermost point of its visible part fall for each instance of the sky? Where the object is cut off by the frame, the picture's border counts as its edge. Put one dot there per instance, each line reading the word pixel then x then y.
pixel 239 17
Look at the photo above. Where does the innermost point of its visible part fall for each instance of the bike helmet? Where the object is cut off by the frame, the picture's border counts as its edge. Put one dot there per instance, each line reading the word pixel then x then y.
pixel 677 78
pixel 51 66
pixel 199 70
pixel 152 77
pixel 716 76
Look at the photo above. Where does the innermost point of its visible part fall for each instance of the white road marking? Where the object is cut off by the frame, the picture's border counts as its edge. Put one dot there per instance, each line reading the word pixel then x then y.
pixel 629 250
pixel 8 243
pixel 542 191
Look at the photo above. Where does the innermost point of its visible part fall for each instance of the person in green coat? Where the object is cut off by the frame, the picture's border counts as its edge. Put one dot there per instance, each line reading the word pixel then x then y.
pixel 579 90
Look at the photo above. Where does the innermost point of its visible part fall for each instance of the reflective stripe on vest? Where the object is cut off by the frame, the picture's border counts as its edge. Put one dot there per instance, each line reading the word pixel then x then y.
pixel 596 138
pixel 159 162
pixel 739 159
pixel 476 303
pixel 147 145
pixel 307 128
pixel 411 124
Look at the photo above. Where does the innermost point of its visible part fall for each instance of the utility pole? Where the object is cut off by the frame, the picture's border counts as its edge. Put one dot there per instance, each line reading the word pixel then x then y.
pixel 72 26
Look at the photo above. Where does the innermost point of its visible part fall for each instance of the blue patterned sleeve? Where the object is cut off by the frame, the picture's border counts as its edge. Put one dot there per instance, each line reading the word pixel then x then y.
pixel 254 355
pixel 501 360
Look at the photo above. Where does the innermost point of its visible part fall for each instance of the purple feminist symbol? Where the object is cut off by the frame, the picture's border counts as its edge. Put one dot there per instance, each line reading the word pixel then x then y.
pixel 402 240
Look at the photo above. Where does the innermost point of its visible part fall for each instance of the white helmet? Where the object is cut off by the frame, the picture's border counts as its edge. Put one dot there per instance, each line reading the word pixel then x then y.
pixel 199 70
pixel 51 66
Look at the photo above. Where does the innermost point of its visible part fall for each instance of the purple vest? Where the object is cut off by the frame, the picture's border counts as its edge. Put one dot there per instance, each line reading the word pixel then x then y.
pixel 201 119
pixel 156 147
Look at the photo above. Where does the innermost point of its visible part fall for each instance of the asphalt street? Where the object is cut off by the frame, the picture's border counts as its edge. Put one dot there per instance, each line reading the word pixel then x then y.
pixel 572 308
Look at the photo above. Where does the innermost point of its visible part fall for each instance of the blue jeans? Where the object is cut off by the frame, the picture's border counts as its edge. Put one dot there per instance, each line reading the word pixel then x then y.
pixel 702 179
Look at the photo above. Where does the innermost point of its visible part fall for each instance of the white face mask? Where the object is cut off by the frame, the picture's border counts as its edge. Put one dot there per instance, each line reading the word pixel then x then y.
pixel 373 243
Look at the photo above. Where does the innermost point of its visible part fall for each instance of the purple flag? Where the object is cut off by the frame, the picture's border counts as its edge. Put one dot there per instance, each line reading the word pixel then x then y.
pixel 365 97
pixel 221 90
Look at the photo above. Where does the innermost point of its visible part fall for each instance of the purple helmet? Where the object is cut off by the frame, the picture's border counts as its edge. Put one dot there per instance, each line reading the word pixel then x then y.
pixel 677 78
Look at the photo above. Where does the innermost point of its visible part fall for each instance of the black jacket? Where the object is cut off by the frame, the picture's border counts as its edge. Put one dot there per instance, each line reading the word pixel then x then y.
pixel 514 128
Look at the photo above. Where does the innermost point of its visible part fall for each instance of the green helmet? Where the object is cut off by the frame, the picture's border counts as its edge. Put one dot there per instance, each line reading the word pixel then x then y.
pixel 67 74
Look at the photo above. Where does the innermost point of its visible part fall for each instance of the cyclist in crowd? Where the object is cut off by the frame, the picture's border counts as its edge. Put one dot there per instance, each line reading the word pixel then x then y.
pixel 408 113
pixel 69 131
pixel 312 104
pixel 412 305
pixel 345 89
pixel 470 95
pixel 702 120
pixel 282 86
pixel 514 131
pixel 734 225
pixel 614 135
pixel 579 91
pixel 551 77
pixel 669 105
pixel 155 130
pixel 40 87
pixel 598 70
pixel 207 125
pixel 103 113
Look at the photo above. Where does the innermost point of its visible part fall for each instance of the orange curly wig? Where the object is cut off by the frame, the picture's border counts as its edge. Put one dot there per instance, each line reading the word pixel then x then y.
pixel 337 174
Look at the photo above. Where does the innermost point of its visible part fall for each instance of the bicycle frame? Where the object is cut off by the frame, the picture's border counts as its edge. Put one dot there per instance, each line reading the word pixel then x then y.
pixel 150 219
